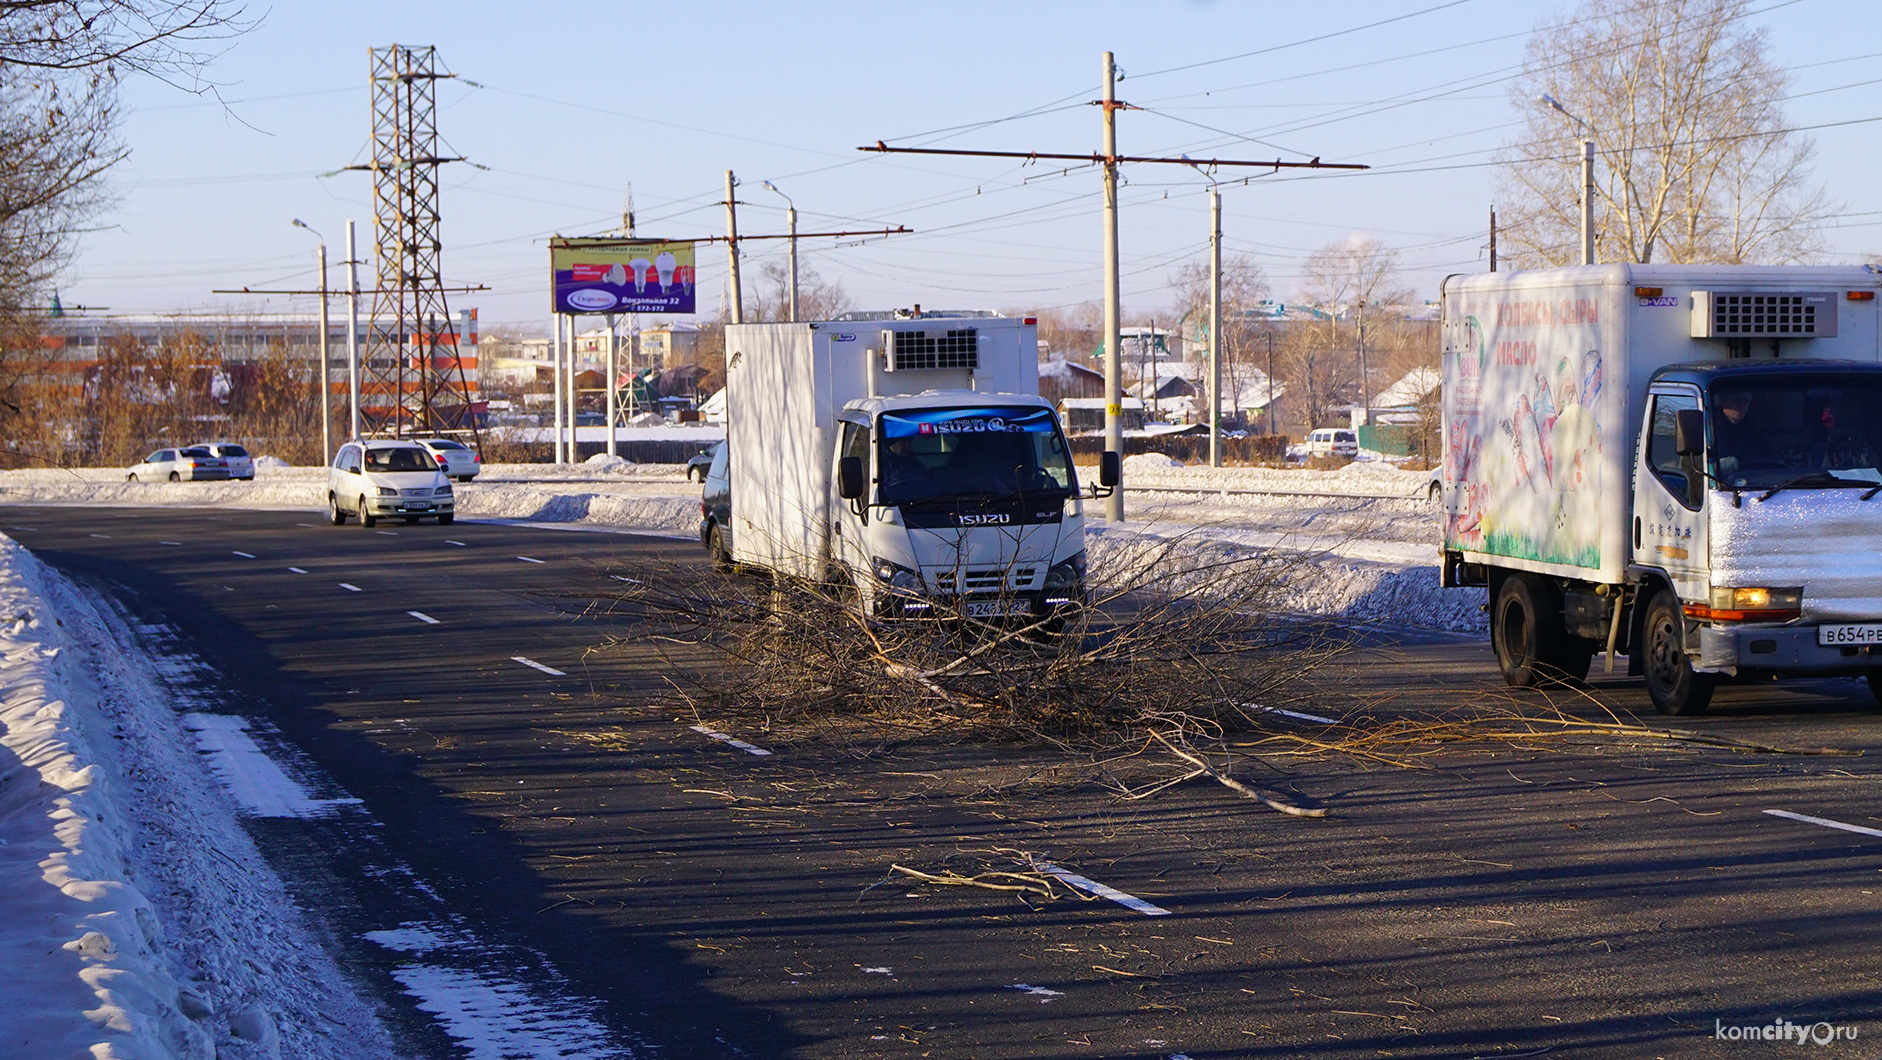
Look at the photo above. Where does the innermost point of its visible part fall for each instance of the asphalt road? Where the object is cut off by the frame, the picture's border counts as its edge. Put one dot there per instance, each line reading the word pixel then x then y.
pixel 1598 897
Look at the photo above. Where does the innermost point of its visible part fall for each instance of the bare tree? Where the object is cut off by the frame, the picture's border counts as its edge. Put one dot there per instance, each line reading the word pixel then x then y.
pixel 1244 349
pixel 817 298
pixel 1693 161
pixel 60 64
pixel 1352 286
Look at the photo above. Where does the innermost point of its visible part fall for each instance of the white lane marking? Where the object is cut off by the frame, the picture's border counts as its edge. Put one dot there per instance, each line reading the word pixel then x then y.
pixel 1089 886
pixel 258 783
pixel 489 1003
pixel 297 570
pixel 624 578
pixel 388 533
pixel 423 617
pixel 309 526
pixel 349 587
pixel 529 559
pixel 459 544
pixel 1044 994
pixel 723 738
pixel 533 664
pixel 246 555
pixel 169 542
pixel 1826 822
pixel 101 535
pixel 1297 715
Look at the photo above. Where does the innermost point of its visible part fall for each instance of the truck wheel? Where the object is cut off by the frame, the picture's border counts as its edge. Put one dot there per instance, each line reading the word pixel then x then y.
pixel 1527 634
pixel 1671 683
pixel 715 547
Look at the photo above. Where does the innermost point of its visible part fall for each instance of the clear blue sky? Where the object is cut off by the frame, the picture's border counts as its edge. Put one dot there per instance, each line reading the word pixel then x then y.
pixel 580 99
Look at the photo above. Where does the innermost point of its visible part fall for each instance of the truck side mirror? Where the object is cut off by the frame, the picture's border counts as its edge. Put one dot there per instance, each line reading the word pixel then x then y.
pixel 850 482
pixel 1110 473
pixel 1689 432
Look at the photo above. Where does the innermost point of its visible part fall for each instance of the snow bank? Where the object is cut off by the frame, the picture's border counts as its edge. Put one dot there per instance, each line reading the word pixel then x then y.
pixel 137 919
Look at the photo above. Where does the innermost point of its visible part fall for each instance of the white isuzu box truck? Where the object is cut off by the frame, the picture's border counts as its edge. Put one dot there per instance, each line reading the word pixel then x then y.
pixel 1682 463
pixel 910 456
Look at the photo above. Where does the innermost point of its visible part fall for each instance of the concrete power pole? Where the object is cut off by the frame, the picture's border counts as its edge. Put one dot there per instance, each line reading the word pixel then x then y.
pixel 352 331
pixel 1113 361
pixel 1215 328
pixel 735 303
pixel 1587 202
pixel 326 368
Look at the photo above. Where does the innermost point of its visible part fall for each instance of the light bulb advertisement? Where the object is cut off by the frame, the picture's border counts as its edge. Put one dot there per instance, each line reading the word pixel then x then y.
pixel 621 276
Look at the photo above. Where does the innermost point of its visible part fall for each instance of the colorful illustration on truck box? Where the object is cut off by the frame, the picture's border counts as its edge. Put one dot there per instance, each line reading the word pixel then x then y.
pixel 1526 433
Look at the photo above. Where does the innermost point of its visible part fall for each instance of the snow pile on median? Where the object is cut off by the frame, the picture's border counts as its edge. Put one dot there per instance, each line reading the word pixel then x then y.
pixel 137 919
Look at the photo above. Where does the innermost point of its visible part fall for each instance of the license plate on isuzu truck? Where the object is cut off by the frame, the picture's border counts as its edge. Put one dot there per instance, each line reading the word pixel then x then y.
pixel 995 608
pixel 1841 636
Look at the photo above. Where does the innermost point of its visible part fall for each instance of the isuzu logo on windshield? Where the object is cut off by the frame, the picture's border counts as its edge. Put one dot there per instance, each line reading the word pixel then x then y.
pixel 987 519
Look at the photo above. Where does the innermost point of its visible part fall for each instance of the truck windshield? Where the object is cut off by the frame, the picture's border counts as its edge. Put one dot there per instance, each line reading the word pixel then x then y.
pixel 1797 430
pixel 950 454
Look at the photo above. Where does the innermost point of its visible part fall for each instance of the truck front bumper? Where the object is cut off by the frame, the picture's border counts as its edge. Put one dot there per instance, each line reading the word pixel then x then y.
pixel 1780 650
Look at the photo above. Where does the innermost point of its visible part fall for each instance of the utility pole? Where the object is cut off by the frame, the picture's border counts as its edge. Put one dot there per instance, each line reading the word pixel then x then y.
pixel 326 369
pixel 790 221
pixel 1113 361
pixel 1493 238
pixel 1215 327
pixel 735 303
pixel 1110 159
pixel 1365 393
pixel 1271 426
pixel 613 345
pixel 352 331
pixel 1587 202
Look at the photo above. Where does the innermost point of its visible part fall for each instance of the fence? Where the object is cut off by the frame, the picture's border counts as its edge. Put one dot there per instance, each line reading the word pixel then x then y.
pixel 1254 449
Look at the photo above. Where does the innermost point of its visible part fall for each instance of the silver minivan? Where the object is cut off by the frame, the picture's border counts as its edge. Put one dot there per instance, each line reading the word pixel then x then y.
pixel 383 479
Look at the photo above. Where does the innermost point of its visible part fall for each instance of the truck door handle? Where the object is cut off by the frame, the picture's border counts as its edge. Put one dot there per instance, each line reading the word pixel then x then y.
pixel 1636 531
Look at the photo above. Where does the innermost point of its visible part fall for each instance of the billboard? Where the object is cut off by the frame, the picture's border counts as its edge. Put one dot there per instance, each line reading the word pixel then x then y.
pixel 621 276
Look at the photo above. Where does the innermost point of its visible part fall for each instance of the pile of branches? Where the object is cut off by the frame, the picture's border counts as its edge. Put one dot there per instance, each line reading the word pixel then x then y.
pixel 1181 638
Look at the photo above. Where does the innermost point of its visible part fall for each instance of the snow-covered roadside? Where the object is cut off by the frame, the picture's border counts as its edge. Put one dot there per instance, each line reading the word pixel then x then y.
pixel 137 918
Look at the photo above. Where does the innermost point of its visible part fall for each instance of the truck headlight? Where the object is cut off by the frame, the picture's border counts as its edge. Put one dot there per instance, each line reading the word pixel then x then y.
pixel 898 577
pixel 1065 582
pixel 1750 604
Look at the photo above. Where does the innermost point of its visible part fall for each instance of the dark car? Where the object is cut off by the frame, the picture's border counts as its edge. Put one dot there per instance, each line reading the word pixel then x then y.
pixel 715 510
pixel 696 467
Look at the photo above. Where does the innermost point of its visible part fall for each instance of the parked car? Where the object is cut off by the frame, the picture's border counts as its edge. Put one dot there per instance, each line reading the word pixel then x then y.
pixel 383 479
pixel 697 467
pixel 192 464
pixel 241 464
pixel 1333 441
pixel 715 511
pixel 459 461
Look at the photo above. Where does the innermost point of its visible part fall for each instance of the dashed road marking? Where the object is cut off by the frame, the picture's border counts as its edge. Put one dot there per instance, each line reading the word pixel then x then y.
pixel 534 665
pixel 749 749
pixel 169 542
pixel 297 570
pixel 1090 886
pixel 529 559
pixel 388 533
pixel 349 587
pixel 101 535
pixel 1297 715
pixel 423 617
pixel 245 555
pixel 459 544
pixel 625 578
pixel 1826 822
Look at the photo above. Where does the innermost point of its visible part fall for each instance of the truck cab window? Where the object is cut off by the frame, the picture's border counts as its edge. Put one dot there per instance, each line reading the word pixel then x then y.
pixel 1661 456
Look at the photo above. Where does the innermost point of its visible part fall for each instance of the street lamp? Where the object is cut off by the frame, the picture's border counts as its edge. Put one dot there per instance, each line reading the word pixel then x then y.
pixel 790 216
pixel 326 376
pixel 1587 177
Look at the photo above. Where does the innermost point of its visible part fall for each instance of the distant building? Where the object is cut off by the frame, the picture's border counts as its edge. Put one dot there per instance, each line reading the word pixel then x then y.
pixel 671 345
pixel 1060 378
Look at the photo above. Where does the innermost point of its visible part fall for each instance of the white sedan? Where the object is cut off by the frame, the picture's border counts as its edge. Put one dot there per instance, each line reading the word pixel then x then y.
pixel 193 464
pixel 458 460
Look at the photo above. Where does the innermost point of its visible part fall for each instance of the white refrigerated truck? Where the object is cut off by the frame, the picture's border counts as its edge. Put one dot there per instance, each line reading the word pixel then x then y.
pixel 1681 464
pixel 908 455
